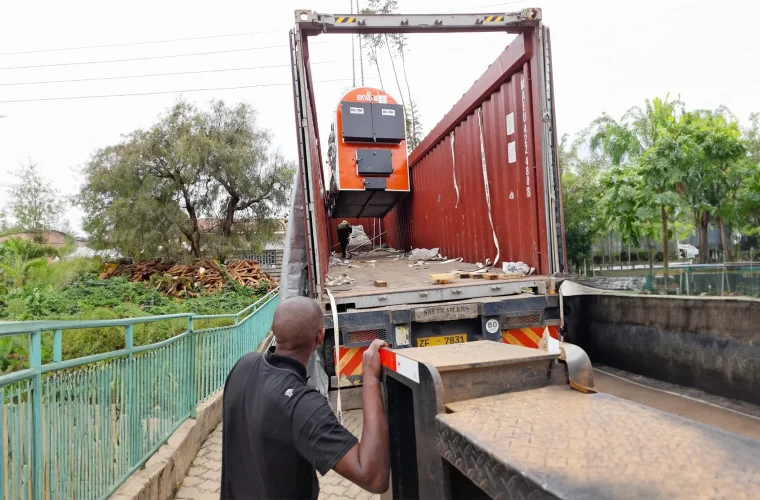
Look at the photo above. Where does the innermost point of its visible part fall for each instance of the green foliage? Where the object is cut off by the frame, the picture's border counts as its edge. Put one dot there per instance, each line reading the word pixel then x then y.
pixel 580 193
pixel 61 273
pixel 654 153
pixel 19 258
pixel 748 195
pixel 149 195
pixel 663 171
pixel 87 297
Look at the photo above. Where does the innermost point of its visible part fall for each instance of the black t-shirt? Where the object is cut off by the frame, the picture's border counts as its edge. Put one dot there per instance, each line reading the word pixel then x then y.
pixel 276 431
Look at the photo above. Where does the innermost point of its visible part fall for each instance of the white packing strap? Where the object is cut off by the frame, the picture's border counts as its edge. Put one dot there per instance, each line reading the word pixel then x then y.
pixel 561 314
pixel 454 168
pixel 485 182
pixel 336 352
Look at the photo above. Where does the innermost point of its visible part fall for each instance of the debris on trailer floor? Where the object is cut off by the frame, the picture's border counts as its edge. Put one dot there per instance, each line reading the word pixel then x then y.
pixel 343 279
pixel 424 254
pixel 516 268
pixel 401 275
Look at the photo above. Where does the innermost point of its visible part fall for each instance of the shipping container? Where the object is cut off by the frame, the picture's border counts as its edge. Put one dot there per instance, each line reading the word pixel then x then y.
pixel 485 190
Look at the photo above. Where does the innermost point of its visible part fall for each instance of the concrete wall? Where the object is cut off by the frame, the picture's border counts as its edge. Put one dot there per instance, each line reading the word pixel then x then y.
pixel 712 344
pixel 53 238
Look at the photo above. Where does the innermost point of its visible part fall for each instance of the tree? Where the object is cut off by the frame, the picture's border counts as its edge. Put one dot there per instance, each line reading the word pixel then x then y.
pixel 396 45
pixel 413 126
pixel 34 203
pixel 650 140
pixel 203 180
pixel 715 178
pixel 580 193
pixel 374 42
pixel 748 195
pixel 626 205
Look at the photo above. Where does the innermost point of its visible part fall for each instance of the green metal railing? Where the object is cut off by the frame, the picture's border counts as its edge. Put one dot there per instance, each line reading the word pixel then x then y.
pixel 77 429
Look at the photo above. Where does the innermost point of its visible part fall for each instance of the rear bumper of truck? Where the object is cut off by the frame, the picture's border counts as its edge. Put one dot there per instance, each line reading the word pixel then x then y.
pixel 516 319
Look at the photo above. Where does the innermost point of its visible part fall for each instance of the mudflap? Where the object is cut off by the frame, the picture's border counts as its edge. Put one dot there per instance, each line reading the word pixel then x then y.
pixel 317 377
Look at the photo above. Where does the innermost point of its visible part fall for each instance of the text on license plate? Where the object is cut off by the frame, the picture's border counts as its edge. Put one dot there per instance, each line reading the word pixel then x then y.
pixel 459 338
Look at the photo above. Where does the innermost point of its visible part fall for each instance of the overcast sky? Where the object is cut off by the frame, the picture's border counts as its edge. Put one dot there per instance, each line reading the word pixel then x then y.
pixel 608 56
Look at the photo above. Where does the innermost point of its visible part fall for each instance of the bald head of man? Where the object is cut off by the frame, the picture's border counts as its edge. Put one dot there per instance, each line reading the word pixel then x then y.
pixel 298 328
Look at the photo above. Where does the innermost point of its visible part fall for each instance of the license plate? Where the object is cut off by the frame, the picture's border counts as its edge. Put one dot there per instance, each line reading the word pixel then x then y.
pixel 459 338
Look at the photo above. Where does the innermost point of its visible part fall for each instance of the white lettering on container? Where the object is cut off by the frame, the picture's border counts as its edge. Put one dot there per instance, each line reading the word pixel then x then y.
pixel 356 111
pixel 389 112
pixel 525 135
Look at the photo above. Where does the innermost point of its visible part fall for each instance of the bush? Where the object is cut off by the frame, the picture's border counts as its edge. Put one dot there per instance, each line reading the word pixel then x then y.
pixel 71 290
pixel 61 273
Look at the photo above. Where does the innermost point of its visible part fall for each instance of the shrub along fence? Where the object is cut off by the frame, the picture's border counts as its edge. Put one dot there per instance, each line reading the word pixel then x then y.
pixel 77 429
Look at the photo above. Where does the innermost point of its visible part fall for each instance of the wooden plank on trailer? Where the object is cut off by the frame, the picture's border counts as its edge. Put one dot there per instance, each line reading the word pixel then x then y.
pixel 442 278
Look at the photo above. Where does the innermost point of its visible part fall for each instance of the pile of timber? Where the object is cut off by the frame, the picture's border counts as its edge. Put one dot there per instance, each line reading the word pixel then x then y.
pixel 202 277
pixel 139 271
pixel 248 273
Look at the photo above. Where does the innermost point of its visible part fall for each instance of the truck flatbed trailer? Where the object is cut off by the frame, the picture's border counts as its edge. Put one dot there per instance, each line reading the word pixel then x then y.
pixel 497 421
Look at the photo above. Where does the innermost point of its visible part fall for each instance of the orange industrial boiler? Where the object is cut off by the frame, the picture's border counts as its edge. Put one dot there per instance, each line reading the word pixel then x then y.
pixel 367 157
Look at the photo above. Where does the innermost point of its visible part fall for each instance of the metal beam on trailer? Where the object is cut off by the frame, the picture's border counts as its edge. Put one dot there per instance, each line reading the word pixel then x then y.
pixel 313 23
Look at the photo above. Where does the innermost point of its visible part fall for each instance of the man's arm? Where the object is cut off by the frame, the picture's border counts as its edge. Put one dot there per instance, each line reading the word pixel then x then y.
pixel 368 463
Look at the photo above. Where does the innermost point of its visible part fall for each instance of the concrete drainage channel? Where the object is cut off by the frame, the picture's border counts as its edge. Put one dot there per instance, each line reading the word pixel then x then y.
pixel 165 471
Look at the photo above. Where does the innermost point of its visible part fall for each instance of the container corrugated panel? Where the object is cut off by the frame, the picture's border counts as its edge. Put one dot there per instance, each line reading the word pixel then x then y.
pixel 458 224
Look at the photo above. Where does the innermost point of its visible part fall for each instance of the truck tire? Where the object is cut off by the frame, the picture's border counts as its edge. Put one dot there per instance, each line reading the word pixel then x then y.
pixel 329 355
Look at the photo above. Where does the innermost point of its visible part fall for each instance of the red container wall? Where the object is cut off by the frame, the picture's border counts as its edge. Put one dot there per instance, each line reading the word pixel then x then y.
pixel 434 216
pixel 317 180
pixel 371 227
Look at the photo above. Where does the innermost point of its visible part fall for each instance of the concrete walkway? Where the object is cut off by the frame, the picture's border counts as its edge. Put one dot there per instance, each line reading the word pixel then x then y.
pixel 203 479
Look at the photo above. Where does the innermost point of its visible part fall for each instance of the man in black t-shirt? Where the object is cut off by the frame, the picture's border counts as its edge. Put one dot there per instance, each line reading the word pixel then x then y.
pixel 277 431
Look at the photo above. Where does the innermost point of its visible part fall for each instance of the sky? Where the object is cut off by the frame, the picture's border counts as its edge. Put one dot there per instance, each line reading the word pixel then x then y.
pixel 608 56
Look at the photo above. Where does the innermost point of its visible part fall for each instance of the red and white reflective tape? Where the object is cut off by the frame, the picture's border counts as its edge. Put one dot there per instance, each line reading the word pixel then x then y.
pixel 400 364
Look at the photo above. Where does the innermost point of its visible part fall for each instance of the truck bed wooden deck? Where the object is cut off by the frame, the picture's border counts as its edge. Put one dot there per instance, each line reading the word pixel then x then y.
pixel 408 283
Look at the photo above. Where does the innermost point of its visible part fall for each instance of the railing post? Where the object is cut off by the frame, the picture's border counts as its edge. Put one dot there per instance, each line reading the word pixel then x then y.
pixel 133 407
pixel 57 346
pixel 193 389
pixel 35 362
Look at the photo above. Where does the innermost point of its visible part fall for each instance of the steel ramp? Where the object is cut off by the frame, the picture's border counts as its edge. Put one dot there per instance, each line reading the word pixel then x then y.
pixel 557 442
pixel 484 419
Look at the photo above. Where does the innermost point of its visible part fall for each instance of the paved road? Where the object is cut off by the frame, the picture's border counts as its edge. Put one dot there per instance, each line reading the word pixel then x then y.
pixel 202 481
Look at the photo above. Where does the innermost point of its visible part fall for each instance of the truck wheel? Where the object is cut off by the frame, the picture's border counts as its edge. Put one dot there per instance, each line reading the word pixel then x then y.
pixel 329 356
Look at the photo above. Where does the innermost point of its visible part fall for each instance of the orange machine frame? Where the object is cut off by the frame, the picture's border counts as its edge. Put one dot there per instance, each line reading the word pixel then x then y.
pixel 348 178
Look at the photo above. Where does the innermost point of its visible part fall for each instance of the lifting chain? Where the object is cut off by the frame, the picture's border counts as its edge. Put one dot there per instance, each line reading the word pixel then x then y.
pixel 361 57
pixel 353 52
